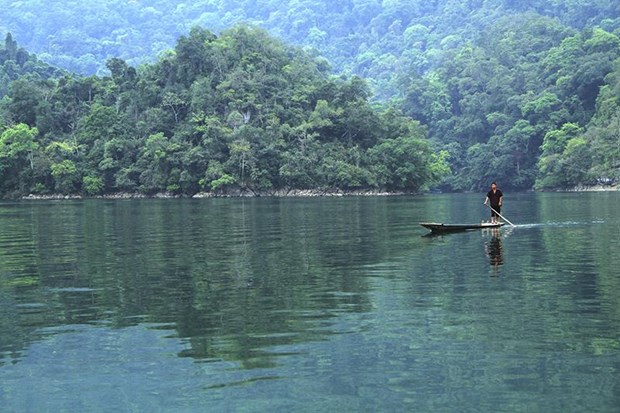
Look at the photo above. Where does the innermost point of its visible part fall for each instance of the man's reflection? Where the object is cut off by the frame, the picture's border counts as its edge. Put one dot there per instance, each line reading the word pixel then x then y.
pixel 494 249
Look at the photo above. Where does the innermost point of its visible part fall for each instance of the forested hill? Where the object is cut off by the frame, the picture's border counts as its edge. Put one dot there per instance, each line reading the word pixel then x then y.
pixel 16 62
pixel 364 37
pixel 240 110
pixel 517 106
pixel 517 91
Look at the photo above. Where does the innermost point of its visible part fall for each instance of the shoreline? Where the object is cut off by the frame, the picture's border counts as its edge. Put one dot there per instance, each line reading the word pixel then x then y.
pixel 594 188
pixel 292 193
pixel 296 193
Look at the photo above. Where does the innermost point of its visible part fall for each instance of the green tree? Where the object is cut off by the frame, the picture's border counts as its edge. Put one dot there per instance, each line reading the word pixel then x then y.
pixel 18 144
pixel 402 163
pixel 155 163
pixel 66 177
pixel 553 163
pixel 25 96
pixel 18 148
pixel 92 185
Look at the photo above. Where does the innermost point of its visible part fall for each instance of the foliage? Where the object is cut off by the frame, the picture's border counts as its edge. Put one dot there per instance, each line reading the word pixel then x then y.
pixel 598 148
pixel 16 62
pixel 365 37
pixel 490 80
pixel 18 146
pixel 499 106
pixel 235 111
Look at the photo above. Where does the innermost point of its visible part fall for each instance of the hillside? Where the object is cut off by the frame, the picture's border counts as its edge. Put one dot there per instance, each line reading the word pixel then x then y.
pixel 494 82
pixel 16 62
pixel 239 111
pixel 363 37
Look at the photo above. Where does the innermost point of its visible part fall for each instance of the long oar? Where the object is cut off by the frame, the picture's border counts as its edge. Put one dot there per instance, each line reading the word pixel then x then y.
pixel 501 216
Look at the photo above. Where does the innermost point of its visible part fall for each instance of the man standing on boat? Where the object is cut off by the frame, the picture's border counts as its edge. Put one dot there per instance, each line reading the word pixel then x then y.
pixel 494 198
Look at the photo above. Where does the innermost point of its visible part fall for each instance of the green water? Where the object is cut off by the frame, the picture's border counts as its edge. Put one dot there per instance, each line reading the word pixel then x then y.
pixel 310 305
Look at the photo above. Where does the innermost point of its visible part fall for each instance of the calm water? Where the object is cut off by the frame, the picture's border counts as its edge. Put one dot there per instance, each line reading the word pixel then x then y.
pixel 310 305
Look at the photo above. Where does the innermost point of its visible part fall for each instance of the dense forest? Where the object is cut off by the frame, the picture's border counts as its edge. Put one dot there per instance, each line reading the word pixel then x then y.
pixel 236 111
pixel 370 38
pixel 523 92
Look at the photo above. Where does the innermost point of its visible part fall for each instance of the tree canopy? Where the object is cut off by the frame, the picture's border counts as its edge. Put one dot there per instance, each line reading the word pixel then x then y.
pixel 499 105
pixel 238 110
pixel 493 83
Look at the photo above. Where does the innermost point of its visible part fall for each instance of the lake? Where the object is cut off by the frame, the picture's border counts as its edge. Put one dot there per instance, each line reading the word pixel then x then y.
pixel 327 304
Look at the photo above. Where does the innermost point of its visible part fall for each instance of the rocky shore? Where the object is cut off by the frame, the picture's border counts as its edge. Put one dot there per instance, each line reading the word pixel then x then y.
pixel 228 194
pixel 238 193
pixel 595 188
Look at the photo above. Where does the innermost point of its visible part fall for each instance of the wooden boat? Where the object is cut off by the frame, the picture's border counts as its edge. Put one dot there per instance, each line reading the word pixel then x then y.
pixel 438 227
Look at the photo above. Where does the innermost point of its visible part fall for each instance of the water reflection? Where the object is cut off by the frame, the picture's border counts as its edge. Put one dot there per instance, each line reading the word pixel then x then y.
pixel 494 249
pixel 307 305
pixel 231 278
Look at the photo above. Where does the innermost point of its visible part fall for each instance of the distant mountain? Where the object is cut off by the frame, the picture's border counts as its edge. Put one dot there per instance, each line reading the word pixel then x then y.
pixel 366 37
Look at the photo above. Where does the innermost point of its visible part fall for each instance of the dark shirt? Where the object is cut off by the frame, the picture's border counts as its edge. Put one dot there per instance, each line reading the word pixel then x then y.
pixel 494 197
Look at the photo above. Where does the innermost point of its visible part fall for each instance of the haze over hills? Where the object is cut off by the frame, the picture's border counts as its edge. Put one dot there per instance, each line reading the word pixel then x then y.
pixel 517 91
pixel 357 36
